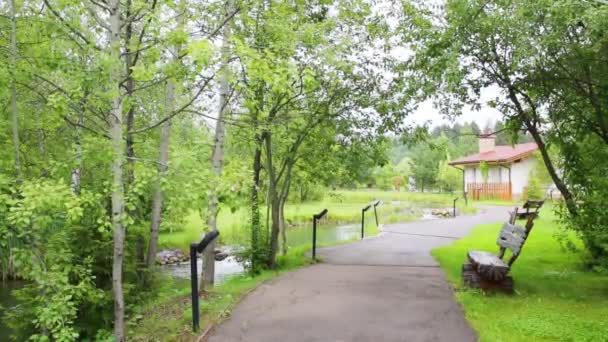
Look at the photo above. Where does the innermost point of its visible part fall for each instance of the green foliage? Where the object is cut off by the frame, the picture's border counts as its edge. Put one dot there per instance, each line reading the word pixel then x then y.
pixel 561 302
pixel 500 44
pixel 45 226
pixel 533 190
pixel 484 169
pixel 449 178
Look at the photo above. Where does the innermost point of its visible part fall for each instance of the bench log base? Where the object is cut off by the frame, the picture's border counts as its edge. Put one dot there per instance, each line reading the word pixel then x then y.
pixel 472 279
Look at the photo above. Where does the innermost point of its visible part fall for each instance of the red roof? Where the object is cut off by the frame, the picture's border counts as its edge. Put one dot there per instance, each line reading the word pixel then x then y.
pixel 501 153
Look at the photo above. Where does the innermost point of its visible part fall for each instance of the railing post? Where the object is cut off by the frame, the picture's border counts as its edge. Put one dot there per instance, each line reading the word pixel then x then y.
pixel 363 220
pixel 194 284
pixel 315 218
pixel 362 223
pixel 314 237
pixel 376 213
pixel 196 248
pixel 455 199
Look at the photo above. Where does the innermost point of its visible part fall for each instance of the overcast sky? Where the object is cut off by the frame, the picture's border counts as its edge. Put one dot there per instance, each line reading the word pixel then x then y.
pixel 427 113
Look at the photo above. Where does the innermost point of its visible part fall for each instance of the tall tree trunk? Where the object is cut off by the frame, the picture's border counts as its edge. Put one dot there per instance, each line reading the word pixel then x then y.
pixel 557 180
pixel 283 200
pixel 115 128
pixel 531 127
pixel 40 140
pixel 255 210
pixel 130 88
pixel 129 173
pixel 217 157
pixel 77 171
pixel 274 201
pixel 163 161
pixel 14 113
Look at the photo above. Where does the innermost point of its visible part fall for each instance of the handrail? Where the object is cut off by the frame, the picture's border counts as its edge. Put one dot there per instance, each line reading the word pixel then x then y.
pixel 455 199
pixel 316 218
pixel 196 248
pixel 363 220
pixel 376 212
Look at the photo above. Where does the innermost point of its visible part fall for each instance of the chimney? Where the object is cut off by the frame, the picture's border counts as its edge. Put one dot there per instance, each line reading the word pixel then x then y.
pixel 487 142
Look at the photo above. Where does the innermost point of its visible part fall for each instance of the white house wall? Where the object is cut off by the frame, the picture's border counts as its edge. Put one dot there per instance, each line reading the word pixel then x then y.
pixel 519 175
pixel 496 174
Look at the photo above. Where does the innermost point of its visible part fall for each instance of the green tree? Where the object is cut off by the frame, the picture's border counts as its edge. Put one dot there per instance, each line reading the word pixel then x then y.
pixel 540 55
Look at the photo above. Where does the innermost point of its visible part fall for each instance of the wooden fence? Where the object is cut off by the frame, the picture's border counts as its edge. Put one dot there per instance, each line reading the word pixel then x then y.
pixel 485 191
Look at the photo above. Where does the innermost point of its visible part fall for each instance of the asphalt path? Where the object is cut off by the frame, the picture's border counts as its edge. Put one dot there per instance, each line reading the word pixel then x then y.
pixel 384 288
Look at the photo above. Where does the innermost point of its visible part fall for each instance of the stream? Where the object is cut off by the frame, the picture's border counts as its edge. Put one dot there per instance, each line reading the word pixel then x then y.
pixel 6 302
pixel 296 237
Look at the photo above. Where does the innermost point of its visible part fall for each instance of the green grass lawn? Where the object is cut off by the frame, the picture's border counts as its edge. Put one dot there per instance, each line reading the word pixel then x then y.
pixel 344 206
pixel 556 298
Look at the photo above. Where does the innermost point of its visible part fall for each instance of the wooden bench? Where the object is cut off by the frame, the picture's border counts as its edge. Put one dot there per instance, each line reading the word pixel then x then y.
pixel 488 271
pixel 532 208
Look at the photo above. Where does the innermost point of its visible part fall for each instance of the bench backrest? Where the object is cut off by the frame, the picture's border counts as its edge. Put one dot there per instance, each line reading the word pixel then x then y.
pixel 533 204
pixel 513 237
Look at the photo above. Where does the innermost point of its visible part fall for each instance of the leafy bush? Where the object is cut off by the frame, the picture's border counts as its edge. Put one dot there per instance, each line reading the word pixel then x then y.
pixel 60 244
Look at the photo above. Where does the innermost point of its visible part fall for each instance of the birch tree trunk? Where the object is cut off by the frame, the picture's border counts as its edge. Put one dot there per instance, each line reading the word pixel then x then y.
pixel 217 157
pixel 163 160
pixel 77 171
pixel 282 200
pixel 118 146
pixel 14 113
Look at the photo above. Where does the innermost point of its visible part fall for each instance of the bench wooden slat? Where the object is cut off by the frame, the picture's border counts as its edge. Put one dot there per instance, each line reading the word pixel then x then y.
pixel 488 265
pixel 511 237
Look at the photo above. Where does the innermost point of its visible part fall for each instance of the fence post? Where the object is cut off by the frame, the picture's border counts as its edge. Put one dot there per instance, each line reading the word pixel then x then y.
pixel 196 248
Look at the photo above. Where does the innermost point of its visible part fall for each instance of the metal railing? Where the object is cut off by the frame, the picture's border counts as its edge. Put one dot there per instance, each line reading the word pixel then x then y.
pixel 375 204
pixel 454 212
pixel 196 248
pixel 315 219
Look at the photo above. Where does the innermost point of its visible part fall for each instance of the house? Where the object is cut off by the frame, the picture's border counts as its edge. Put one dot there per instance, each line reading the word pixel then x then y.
pixel 508 169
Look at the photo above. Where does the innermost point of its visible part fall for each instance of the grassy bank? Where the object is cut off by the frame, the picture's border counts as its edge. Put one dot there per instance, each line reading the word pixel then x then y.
pixel 344 206
pixel 556 297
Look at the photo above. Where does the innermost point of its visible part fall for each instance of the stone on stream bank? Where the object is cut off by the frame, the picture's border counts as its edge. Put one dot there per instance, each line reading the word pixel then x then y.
pixel 170 257
pixel 444 212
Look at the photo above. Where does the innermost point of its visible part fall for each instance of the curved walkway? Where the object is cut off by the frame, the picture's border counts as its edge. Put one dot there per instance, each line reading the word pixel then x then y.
pixel 386 288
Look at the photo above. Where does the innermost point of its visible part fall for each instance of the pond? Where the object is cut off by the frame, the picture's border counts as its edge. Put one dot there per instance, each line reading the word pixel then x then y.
pixel 7 301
